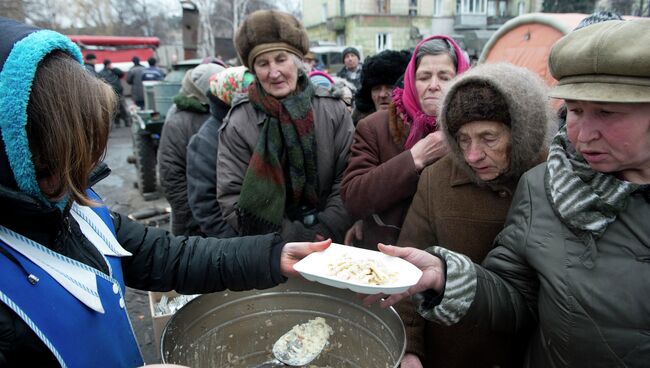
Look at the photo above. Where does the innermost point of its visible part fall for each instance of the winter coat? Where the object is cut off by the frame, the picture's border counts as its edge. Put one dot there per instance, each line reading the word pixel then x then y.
pixel 381 178
pixel 112 76
pixel 350 76
pixel 455 209
pixel 588 306
pixel 160 262
pixel 179 127
pixel 202 174
pixel 134 78
pixel 333 132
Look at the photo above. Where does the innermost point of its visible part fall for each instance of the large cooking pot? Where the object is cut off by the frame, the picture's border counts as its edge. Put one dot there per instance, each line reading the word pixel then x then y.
pixel 238 329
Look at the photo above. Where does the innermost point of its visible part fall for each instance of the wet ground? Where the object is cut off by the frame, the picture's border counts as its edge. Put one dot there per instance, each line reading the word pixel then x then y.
pixel 120 195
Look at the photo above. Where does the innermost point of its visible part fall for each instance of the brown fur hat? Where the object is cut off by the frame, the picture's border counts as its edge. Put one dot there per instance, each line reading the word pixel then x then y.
pixel 475 101
pixel 270 30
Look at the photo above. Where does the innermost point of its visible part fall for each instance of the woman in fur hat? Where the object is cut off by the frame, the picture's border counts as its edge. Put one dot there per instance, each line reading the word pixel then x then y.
pixel 497 122
pixel 283 150
pixel 65 259
pixel 392 147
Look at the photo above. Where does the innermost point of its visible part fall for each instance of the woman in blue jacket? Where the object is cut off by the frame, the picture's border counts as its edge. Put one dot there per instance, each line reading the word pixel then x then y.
pixel 64 258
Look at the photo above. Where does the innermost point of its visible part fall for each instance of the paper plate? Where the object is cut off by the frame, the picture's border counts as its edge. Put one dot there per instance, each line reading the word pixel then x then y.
pixel 314 267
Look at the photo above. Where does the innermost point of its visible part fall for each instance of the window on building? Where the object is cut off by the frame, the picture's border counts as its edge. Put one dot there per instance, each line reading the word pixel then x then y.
pixel 340 39
pixel 437 7
pixel 503 8
pixel 384 42
pixel 342 8
pixel 324 12
pixel 413 7
pixel 471 6
pixel 384 6
pixel 522 8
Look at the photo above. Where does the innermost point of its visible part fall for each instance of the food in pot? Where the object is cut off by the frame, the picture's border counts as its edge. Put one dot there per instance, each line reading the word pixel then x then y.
pixel 303 343
pixel 365 271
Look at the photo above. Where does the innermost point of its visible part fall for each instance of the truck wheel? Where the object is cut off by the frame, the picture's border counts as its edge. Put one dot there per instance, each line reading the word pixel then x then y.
pixel 145 163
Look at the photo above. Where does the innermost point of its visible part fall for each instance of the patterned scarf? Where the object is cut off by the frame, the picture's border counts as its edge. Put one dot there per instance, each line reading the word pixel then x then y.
pixel 587 201
pixel 284 161
pixel 407 101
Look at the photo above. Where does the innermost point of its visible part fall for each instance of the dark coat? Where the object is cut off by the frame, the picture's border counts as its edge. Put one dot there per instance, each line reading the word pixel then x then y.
pixel 587 304
pixel 160 262
pixel 380 179
pixel 202 174
pixel 179 127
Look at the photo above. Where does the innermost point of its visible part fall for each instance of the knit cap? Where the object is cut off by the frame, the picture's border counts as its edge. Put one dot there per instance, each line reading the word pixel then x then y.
pixel 351 50
pixel 225 84
pixel 475 101
pixel 321 79
pixel 196 82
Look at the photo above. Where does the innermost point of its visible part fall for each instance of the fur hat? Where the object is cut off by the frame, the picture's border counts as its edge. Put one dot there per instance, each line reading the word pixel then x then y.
pixel 270 30
pixel 351 50
pixel 384 68
pixel 475 101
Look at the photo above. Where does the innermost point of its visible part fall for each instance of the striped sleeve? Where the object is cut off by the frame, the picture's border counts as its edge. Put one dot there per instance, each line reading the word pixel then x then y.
pixel 460 288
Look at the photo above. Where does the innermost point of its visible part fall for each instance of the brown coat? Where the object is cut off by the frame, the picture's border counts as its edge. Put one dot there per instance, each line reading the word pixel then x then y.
pixel 455 209
pixel 380 179
pixel 333 131
pixel 450 210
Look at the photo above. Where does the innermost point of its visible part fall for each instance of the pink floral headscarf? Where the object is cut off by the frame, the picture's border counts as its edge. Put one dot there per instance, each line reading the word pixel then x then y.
pixel 407 101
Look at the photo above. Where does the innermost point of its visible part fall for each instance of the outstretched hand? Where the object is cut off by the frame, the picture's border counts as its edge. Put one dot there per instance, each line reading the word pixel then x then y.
pixel 294 252
pixel 432 274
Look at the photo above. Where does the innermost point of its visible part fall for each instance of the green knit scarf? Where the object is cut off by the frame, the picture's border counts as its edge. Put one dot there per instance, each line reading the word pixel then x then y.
pixel 282 173
pixel 587 201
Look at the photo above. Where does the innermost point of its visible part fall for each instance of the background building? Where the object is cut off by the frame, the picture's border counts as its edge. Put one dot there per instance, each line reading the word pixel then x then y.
pixel 375 25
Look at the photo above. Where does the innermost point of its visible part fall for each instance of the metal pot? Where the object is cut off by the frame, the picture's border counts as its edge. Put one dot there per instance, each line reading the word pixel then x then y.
pixel 238 329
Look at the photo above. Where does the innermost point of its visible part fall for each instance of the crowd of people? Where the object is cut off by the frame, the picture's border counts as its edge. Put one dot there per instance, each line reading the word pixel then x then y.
pixel 526 222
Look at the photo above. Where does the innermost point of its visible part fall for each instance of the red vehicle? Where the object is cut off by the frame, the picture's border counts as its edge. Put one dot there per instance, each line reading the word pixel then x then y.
pixel 118 49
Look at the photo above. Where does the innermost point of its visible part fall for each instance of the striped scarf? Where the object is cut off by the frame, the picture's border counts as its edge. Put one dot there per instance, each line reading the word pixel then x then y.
pixel 587 201
pixel 283 163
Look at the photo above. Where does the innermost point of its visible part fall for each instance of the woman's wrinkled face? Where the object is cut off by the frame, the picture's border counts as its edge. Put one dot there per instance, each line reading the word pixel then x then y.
pixel 432 78
pixel 486 147
pixel 277 73
pixel 612 137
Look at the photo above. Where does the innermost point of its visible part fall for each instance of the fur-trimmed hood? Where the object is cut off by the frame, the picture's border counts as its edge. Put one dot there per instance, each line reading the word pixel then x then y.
pixel 532 121
pixel 22 47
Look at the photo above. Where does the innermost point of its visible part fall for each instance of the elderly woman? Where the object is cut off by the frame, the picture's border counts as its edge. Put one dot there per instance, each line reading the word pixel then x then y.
pixel 497 122
pixel 283 150
pixel 392 147
pixel 572 261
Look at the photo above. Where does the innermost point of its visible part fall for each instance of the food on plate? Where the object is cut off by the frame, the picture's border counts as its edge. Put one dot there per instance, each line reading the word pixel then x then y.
pixel 365 271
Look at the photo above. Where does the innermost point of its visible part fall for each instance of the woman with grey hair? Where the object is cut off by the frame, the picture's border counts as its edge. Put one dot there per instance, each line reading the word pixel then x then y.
pixel 391 147
pixel 282 150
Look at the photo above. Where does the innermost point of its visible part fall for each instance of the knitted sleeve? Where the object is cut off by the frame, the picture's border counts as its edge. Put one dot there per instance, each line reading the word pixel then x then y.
pixel 460 289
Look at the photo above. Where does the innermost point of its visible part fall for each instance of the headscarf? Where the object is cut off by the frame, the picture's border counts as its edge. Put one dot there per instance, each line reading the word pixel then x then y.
pixel 229 82
pixel 407 102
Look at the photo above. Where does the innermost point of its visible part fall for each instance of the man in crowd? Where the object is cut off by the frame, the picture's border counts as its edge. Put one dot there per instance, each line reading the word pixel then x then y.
pixel 352 69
